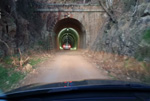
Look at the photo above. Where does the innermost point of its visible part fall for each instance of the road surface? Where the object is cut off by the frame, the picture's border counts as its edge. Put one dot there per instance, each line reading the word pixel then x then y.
pixel 65 66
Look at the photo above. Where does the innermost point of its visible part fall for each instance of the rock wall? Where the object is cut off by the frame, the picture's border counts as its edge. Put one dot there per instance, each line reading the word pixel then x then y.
pixel 7 27
pixel 130 36
pixel 20 26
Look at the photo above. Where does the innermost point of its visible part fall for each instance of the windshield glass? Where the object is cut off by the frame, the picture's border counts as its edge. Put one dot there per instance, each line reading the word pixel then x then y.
pixel 65 41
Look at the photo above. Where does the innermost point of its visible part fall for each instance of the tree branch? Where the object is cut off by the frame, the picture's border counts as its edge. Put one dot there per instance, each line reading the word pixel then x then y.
pixel 21 60
pixel 5 43
pixel 107 11
pixel 136 7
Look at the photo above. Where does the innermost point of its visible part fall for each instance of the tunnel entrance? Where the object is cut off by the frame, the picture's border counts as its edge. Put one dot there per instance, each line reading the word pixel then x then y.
pixel 70 31
pixel 68 36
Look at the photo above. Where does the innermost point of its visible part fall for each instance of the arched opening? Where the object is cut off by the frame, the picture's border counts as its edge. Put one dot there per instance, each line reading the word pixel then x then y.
pixel 70 31
pixel 70 36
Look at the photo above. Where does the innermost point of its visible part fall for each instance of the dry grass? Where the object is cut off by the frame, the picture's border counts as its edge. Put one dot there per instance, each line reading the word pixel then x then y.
pixel 123 67
pixel 13 68
pixel 19 61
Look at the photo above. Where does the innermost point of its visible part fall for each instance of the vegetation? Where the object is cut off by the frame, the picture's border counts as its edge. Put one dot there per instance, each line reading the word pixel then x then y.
pixel 128 68
pixel 143 52
pixel 44 44
pixel 7 60
pixel 12 68
pixel 146 36
pixel 35 61
pixel 9 77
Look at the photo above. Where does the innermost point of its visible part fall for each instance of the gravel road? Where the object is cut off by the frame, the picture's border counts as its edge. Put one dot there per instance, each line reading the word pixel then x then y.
pixel 65 66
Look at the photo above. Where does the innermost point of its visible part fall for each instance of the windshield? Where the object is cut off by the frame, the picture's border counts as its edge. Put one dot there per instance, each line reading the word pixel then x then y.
pixel 58 41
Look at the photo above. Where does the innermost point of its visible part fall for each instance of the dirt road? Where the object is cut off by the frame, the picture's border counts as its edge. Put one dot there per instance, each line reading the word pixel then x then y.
pixel 65 66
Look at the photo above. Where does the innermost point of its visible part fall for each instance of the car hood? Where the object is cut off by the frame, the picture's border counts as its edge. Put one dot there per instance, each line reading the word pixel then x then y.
pixel 76 84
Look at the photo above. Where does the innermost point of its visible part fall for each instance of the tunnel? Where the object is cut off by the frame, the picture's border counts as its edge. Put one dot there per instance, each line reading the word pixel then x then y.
pixel 70 31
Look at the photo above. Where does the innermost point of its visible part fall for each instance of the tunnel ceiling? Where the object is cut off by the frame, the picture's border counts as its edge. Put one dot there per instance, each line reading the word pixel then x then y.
pixel 68 36
pixel 68 23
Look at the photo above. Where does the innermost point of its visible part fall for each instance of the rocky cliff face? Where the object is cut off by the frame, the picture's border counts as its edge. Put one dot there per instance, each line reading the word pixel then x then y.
pixel 130 35
pixel 20 26
pixel 7 27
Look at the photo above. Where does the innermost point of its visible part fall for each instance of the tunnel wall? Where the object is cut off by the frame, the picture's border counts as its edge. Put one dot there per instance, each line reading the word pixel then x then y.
pixel 91 21
pixel 73 24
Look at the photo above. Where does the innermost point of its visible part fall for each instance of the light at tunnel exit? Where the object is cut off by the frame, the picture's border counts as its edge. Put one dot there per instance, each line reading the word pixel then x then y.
pixel 68 36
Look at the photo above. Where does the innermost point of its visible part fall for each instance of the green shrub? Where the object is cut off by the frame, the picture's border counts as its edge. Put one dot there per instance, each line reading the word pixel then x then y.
pixel 7 60
pixel 33 62
pixel 143 51
pixel 146 36
pixel 9 77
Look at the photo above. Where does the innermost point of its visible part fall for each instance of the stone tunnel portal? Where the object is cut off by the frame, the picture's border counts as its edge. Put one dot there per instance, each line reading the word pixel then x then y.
pixel 71 31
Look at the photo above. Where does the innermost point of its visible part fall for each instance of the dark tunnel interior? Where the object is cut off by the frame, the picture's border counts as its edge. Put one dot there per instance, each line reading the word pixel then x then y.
pixel 70 31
